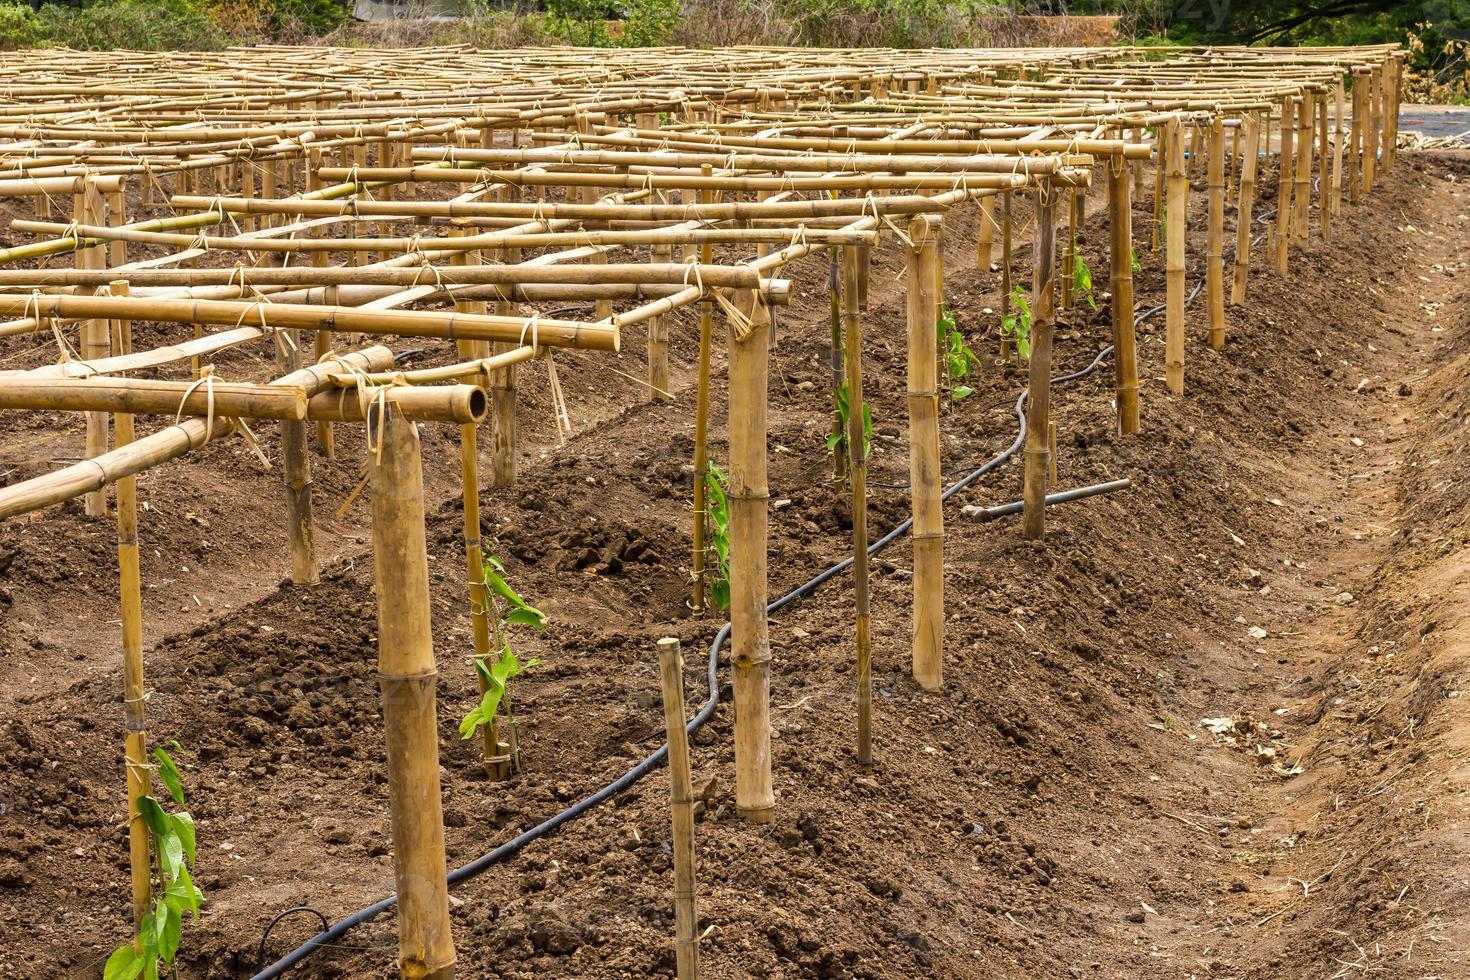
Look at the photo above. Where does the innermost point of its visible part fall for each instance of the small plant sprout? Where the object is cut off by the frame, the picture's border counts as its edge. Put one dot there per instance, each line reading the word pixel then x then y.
pixel 837 441
pixel 958 359
pixel 1082 280
pixel 1133 262
pixel 171 840
pixel 508 610
pixel 717 505
pixel 1016 324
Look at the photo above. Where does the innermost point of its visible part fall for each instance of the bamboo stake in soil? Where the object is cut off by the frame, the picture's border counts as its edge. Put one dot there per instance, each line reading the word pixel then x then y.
pixel 681 802
pixel 659 385
pixel 835 286
pixel 857 451
pixel 1005 271
pixel 1038 404
pixel 985 241
pixel 1302 191
pixel 755 798
pixel 1359 140
pixel 1324 180
pixel 296 467
pixel 1246 201
pixel 924 470
pixel 1215 243
pixel 1176 214
pixel 406 676
pixel 94 335
pixel 1284 186
pixel 1125 350
pixel 701 431
pixel 134 696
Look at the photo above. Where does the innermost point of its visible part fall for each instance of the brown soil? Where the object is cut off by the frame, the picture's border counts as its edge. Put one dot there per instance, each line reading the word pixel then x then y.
pixel 1060 810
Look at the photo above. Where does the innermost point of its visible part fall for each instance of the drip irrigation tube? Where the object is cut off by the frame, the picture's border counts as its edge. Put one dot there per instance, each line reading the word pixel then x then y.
pixel 328 937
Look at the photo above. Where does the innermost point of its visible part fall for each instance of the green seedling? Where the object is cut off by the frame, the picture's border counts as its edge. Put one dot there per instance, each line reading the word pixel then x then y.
pixel 508 610
pixel 171 839
pixel 837 441
pixel 959 360
pixel 1016 325
pixel 717 530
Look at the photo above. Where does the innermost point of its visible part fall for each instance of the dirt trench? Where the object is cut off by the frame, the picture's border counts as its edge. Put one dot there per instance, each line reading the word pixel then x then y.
pixel 1207 730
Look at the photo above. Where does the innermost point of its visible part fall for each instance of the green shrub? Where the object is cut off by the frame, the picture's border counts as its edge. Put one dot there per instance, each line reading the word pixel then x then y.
pixel 19 27
pixel 146 25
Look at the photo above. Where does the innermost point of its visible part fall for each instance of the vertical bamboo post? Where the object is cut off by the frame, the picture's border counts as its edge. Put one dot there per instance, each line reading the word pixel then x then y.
pixel 1359 141
pixel 1125 350
pixel 985 240
pixel 755 797
pixel 660 388
pixel 681 803
pixel 1337 146
pixel 134 695
pixel 1302 192
pixel 835 364
pixel 858 468
pixel 1176 214
pixel 1233 170
pixel 1324 177
pixel 296 467
pixel 406 678
pixel 1393 97
pixel 89 210
pixel 1161 169
pixel 1283 186
pixel 1215 243
pixel 924 467
pixel 1038 402
pixel 1005 269
pixel 1374 97
pixel 701 421
pixel 1069 250
pixel 1246 203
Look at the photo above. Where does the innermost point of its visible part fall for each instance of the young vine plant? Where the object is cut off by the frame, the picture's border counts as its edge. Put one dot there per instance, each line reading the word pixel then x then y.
pixel 507 609
pixel 1082 280
pixel 1016 325
pixel 959 360
pixel 837 441
pixel 172 843
pixel 717 531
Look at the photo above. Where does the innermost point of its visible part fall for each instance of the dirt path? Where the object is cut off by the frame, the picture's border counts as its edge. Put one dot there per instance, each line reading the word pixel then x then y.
pixel 1060 810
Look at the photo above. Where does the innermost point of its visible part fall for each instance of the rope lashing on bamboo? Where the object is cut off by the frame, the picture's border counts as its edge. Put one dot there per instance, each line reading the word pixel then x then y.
pixel 207 378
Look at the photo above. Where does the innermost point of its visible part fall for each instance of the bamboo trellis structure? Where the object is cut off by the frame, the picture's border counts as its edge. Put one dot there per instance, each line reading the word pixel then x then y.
pixel 306 198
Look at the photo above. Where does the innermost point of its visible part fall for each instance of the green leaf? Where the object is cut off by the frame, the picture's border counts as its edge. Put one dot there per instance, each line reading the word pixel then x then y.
pixel 833 440
pixel 170 927
pixel 961 391
pixel 153 815
pixel 183 894
pixel 169 773
pixel 170 854
pixel 123 964
pixel 719 593
pixel 471 722
pixel 182 824
pixel 527 616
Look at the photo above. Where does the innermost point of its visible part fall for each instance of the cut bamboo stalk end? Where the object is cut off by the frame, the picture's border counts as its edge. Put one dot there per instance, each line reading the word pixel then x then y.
pixel 681 802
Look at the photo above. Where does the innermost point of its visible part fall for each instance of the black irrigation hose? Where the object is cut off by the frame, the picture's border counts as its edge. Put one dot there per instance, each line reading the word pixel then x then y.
pixel 330 936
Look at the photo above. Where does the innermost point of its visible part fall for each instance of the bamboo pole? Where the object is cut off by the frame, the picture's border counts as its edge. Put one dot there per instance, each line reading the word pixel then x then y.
pixel 1069 252
pixel 1038 402
pixel 1359 141
pixel 1005 270
pixel 1338 139
pixel 924 464
pixel 858 468
pixel 1125 350
pixel 985 241
pixel 95 342
pixel 1246 203
pixel 1215 243
pixel 701 430
pixel 835 359
pixel 1374 97
pixel 1284 187
pixel 406 677
pixel 296 472
pixel 660 387
pixel 135 747
pixel 1176 215
pixel 755 798
pixel 1324 179
pixel 681 803
pixel 1302 191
